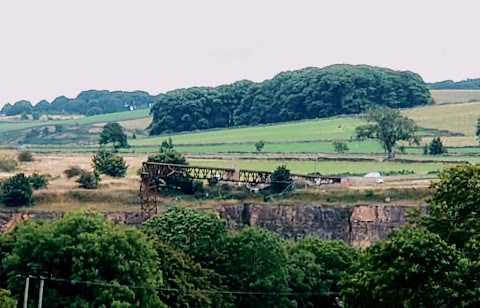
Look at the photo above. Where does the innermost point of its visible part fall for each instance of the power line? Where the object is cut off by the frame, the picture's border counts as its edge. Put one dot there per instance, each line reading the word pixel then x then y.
pixel 113 285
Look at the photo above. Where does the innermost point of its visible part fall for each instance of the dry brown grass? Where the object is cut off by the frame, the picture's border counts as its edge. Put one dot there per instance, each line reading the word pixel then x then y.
pixel 454 141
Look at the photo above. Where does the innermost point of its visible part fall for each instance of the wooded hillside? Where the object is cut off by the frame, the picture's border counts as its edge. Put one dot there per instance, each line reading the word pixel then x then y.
pixel 294 95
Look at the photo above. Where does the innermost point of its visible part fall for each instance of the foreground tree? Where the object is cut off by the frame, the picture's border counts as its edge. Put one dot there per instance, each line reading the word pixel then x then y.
pixel 315 268
pixel 114 133
pixel 389 127
pixel 412 268
pixel 118 262
pixel 255 264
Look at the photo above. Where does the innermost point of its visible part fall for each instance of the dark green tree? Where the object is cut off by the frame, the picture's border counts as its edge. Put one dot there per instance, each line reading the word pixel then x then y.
pixel 118 262
pixel 412 268
pixel 340 147
pixel 16 191
pixel 38 181
pixel 113 133
pixel 436 147
pixel 477 130
pixel 259 145
pixel 281 179
pixel 24 116
pixel 88 179
pixel 389 127
pixel 256 262
pixel 315 269
pixel 108 163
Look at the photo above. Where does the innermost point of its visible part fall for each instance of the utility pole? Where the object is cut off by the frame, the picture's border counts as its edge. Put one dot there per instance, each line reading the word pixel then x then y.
pixel 25 295
pixel 40 293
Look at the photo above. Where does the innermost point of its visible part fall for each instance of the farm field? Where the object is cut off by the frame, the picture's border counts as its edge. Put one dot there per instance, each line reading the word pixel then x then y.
pixel 99 119
pixel 326 129
pixel 455 96
pixel 458 118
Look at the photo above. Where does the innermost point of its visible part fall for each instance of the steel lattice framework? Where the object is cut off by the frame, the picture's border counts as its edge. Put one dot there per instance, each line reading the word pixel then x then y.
pixel 154 174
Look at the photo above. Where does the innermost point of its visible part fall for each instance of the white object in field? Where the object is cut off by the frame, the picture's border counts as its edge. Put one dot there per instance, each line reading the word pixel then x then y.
pixel 373 175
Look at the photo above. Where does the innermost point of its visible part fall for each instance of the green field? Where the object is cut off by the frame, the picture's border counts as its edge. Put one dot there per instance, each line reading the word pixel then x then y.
pixel 455 96
pixel 337 128
pixel 460 118
pixel 103 118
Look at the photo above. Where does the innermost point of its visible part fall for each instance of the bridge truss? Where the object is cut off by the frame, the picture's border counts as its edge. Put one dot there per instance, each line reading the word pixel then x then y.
pixel 153 177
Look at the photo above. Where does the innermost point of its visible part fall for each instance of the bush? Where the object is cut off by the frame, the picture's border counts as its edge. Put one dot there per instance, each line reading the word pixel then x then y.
pixel 281 179
pixel 340 147
pixel 25 156
pixel 7 164
pixel 17 191
pixel 73 171
pixel 436 147
pixel 88 180
pixel 110 164
pixel 38 181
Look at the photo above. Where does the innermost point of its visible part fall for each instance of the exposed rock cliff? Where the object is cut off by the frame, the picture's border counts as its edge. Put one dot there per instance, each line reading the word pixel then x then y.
pixel 359 225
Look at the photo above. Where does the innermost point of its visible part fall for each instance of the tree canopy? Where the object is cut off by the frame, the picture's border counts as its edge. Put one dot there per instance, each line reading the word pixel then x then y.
pixel 118 262
pixel 467 84
pixel 295 95
pixel 89 102
pixel 114 133
pixel 389 127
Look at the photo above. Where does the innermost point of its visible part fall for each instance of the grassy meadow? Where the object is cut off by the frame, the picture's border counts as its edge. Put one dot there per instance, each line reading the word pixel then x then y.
pixel 455 96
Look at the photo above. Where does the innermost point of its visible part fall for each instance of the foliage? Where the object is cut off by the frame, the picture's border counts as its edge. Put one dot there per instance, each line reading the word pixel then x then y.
pixel 340 147
pixel 389 127
pixel 7 164
pixel 436 147
pixel 72 171
pixel 88 179
pixel 24 116
pixel 105 162
pixel 84 247
pixel 181 273
pixel 281 179
pixel 38 181
pixel 35 116
pixel 315 268
pixel 256 261
pixel 168 155
pixel 468 84
pixel 200 235
pixel 412 268
pixel 114 133
pixel 16 191
pixel 259 145
pixel 5 300
pixel 454 210
pixel 303 94
pixel 86 103
pixel 477 130
pixel 25 156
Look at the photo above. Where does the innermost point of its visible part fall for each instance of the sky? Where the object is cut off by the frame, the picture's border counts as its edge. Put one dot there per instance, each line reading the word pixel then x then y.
pixel 50 48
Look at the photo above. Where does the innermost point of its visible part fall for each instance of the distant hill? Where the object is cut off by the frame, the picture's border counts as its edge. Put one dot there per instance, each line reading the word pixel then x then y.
pixel 294 95
pixel 89 103
pixel 469 84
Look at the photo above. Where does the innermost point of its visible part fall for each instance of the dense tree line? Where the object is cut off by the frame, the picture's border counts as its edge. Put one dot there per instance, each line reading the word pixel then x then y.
pixel 295 95
pixel 88 103
pixel 468 84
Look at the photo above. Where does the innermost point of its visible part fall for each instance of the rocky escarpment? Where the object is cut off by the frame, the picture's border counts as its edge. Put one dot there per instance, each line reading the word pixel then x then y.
pixel 359 225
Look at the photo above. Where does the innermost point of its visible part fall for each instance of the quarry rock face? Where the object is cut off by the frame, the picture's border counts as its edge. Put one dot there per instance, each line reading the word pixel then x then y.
pixel 358 225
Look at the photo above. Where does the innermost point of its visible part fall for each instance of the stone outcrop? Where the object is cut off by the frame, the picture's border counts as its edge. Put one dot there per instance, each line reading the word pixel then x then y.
pixel 359 225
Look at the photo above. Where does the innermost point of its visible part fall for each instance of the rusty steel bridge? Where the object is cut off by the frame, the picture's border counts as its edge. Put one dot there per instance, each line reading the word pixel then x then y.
pixel 154 174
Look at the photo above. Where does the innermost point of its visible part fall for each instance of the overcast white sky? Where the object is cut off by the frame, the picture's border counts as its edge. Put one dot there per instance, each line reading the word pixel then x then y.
pixel 50 48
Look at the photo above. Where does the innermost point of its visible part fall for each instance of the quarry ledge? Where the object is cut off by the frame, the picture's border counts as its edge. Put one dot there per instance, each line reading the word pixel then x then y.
pixel 359 225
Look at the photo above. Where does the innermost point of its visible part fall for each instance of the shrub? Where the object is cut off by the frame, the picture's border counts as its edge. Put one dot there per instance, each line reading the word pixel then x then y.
pixel 25 156
pixel 38 181
pixel 7 164
pixel 16 191
pixel 73 171
pixel 88 180
pixel 281 179
pixel 259 145
pixel 340 147
pixel 110 164
pixel 436 147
